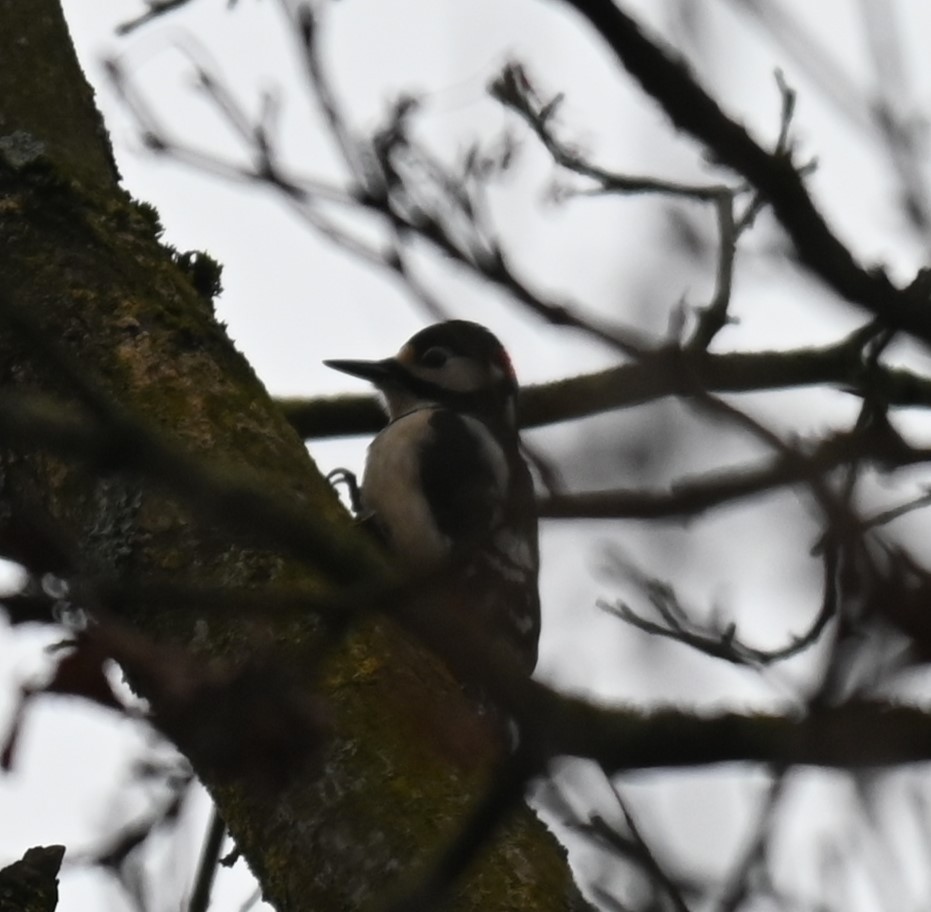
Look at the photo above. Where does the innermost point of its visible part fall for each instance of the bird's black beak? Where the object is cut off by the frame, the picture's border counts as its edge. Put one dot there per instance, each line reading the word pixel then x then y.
pixel 377 372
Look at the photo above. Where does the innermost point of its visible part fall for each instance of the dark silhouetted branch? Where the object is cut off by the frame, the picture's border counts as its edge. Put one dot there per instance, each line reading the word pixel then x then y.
pixel 667 372
pixel 694 496
pixel 854 735
pixel 691 109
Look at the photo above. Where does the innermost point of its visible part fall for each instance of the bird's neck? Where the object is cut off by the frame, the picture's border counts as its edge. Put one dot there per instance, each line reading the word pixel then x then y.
pixel 500 421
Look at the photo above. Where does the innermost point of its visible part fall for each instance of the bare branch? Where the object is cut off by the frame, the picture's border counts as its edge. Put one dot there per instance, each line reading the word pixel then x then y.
pixel 667 372
pixel 514 89
pixel 693 496
pixel 208 863
pixel 753 855
pixel 647 856
pixel 854 735
pixel 692 110
pixel 156 8
pixel 719 640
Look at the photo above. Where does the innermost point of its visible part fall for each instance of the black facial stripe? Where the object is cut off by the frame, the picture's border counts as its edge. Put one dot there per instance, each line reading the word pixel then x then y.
pixel 458 400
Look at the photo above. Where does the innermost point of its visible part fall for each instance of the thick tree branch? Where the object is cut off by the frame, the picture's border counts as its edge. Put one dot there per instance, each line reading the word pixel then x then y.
pixel 668 372
pixel 693 496
pixel 849 736
pixel 241 501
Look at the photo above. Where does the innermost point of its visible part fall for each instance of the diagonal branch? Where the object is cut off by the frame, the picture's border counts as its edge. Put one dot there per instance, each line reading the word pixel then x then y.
pixel 854 735
pixel 695 112
pixel 692 496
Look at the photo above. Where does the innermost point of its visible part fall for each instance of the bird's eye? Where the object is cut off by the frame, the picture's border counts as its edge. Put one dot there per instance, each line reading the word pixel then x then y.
pixel 434 357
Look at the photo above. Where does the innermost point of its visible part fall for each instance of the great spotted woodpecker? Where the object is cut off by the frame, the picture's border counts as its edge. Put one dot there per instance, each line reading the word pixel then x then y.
pixel 445 481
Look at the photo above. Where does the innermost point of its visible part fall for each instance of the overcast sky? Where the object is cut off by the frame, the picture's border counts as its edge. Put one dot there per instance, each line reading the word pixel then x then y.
pixel 292 298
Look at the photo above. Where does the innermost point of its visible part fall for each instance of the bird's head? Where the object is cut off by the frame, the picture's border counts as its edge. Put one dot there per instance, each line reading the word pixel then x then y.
pixel 457 364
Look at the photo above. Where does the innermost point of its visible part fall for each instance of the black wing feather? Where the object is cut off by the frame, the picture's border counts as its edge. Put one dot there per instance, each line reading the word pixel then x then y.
pixel 469 507
pixel 458 480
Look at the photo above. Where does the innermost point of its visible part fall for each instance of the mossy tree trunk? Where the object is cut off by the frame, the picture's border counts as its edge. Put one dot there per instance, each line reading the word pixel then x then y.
pixel 84 262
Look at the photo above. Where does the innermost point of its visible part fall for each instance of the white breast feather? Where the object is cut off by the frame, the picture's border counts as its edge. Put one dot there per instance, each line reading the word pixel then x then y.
pixel 391 488
pixel 392 484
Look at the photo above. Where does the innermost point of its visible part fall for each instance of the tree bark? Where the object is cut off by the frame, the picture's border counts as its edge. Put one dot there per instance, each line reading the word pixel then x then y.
pixel 31 884
pixel 403 757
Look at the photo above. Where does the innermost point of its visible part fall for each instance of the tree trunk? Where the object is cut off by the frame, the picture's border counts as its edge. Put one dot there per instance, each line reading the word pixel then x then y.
pixel 392 776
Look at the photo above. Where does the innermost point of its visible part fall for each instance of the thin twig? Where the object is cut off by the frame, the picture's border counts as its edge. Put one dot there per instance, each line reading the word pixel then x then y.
pixel 396 209
pixel 513 88
pixel 696 113
pixel 307 28
pixel 714 640
pixel 209 861
pixel 892 513
pixel 156 8
pixel 754 850
pixel 715 316
pixel 648 858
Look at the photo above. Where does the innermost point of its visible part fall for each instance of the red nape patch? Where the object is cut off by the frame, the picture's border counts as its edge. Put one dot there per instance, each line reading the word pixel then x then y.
pixel 504 360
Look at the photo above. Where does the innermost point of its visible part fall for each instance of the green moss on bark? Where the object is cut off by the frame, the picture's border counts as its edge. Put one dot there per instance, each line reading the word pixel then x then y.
pixel 41 106
pixel 407 755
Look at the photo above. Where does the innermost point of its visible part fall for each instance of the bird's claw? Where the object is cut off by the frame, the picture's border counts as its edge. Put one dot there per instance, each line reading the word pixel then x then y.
pixel 345 477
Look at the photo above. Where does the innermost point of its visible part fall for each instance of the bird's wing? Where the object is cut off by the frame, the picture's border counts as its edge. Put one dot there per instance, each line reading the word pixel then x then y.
pixel 482 501
pixel 464 474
